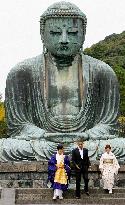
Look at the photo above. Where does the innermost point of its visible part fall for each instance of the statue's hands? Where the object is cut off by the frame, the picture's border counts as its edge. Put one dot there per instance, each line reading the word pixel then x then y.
pixel 101 137
pixel 100 132
pixel 37 134
pixel 31 132
pixel 65 137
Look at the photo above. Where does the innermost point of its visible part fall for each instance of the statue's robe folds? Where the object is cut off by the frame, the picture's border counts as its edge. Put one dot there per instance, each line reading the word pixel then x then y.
pixel 30 120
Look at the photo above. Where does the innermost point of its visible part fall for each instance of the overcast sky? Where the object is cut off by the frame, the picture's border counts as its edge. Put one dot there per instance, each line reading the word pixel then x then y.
pixel 19 27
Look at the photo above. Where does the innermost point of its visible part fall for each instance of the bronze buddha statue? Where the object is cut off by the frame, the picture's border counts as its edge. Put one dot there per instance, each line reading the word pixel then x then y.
pixel 62 94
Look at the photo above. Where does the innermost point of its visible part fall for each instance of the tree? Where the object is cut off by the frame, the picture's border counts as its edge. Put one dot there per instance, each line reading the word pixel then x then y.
pixel 3 126
pixel 112 51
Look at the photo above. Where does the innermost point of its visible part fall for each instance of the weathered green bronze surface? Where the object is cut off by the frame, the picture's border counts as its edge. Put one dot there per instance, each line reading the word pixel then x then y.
pixel 61 95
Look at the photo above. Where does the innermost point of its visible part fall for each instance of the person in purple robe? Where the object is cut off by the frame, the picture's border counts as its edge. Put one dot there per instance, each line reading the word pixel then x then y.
pixel 59 172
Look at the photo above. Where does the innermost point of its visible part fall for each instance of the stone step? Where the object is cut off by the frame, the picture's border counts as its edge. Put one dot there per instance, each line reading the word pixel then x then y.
pixel 50 191
pixel 44 196
pixel 101 201
pixel 68 195
pixel 7 197
pixel 83 196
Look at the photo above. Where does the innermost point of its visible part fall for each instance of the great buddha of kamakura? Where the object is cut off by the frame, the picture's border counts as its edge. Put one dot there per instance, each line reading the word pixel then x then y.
pixel 61 95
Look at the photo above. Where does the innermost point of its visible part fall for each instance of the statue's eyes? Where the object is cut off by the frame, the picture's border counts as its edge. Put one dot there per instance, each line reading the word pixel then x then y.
pixel 73 31
pixel 55 32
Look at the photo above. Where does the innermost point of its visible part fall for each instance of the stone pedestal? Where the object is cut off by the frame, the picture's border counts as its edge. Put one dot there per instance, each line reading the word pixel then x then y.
pixel 34 175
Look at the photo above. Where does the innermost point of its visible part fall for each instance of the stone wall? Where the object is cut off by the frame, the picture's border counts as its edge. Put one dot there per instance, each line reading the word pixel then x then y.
pixel 34 175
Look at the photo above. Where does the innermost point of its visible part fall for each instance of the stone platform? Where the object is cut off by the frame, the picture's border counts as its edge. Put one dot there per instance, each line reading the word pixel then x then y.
pixel 23 196
pixel 26 183
pixel 34 175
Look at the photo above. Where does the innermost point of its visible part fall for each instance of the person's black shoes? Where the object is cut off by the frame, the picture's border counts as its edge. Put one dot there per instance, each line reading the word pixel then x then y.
pixel 87 193
pixel 106 191
pixel 78 197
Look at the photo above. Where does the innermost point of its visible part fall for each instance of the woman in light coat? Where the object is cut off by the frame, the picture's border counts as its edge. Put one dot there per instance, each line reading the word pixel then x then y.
pixel 109 167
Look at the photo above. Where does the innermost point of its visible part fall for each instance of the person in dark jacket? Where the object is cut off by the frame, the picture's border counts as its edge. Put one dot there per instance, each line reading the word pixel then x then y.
pixel 81 164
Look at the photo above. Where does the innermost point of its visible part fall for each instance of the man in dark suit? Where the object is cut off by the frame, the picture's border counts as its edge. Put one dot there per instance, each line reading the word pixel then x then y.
pixel 81 164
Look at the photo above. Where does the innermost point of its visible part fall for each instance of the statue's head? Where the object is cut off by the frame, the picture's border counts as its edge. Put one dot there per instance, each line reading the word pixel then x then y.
pixel 62 29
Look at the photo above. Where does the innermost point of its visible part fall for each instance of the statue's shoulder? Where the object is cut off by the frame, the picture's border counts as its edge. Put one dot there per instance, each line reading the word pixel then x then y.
pixel 97 63
pixel 27 65
pixel 99 68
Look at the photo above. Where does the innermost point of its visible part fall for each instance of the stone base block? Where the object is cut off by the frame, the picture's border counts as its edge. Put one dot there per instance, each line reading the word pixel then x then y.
pixel 34 175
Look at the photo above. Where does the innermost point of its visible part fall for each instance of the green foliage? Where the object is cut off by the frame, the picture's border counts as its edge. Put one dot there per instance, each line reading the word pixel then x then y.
pixel 121 121
pixel 3 129
pixel 120 72
pixel 112 51
pixel 3 126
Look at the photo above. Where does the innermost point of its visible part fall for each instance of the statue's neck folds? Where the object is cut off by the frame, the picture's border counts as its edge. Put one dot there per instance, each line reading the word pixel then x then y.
pixel 63 61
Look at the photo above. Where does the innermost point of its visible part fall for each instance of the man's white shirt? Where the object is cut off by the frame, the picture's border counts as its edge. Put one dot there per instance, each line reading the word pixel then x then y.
pixel 81 152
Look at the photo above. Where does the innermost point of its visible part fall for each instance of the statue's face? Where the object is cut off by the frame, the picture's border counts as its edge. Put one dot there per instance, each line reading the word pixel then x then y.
pixel 63 36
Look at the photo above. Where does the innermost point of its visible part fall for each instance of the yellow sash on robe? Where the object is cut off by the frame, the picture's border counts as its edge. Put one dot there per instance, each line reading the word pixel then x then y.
pixel 108 161
pixel 61 175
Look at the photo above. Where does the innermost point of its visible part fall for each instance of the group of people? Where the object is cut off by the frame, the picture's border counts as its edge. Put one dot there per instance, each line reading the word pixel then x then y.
pixel 59 169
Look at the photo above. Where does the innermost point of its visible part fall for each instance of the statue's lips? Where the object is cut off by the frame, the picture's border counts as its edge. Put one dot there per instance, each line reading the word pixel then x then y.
pixel 63 48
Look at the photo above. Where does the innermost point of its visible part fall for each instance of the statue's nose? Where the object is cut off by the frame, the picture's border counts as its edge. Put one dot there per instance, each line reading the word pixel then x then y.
pixel 64 38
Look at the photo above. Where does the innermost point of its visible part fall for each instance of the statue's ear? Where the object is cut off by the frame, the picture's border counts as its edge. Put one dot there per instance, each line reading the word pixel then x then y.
pixel 45 50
